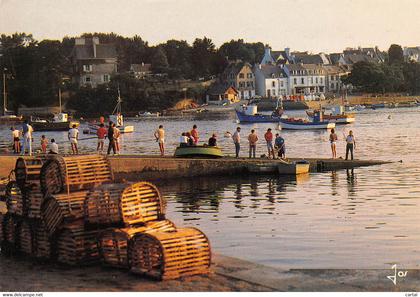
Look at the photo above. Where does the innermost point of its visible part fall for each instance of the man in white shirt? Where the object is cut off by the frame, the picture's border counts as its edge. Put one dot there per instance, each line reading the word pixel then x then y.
pixel 237 141
pixel 27 137
pixel 73 137
pixel 53 147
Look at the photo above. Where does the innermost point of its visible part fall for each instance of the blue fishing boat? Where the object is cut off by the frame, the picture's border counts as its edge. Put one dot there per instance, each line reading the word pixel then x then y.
pixel 249 114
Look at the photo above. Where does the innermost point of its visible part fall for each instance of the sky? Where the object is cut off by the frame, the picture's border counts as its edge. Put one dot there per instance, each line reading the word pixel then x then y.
pixel 312 25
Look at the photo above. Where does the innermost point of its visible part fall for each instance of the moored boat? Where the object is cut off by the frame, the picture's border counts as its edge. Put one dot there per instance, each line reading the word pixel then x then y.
pixel 337 114
pixel 60 122
pixel 198 151
pixel 249 114
pixel 301 124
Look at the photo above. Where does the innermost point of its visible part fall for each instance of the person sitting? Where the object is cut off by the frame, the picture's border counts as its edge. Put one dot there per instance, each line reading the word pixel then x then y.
pixel 213 140
pixel 53 147
pixel 183 140
pixel 190 139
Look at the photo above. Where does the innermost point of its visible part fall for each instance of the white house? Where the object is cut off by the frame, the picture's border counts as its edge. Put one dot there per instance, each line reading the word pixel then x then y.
pixel 305 79
pixel 270 80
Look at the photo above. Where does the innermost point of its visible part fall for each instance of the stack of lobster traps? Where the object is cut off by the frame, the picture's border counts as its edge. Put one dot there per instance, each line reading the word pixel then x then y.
pixel 68 209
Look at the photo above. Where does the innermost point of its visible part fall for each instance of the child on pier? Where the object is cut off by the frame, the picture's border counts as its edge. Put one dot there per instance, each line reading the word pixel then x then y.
pixel 44 143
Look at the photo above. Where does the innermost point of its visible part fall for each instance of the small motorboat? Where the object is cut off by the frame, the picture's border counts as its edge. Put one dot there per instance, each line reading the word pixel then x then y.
pixel 302 124
pixel 198 151
pixel 148 114
pixel 262 168
pixel 249 114
pixel 293 168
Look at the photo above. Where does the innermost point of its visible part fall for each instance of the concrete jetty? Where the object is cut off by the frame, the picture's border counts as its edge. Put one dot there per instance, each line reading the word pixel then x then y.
pixel 137 167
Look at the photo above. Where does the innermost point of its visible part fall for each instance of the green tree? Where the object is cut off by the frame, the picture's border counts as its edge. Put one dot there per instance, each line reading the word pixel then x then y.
pixel 159 60
pixel 395 54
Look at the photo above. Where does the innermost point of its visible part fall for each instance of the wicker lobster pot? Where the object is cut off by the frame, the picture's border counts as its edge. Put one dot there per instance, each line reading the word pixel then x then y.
pixel 15 201
pixel 42 242
pixel 1 228
pixel 10 231
pixel 33 196
pixel 28 169
pixel 26 238
pixel 61 209
pixel 113 243
pixel 74 173
pixel 102 205
pixel 76 246
pixel 170 255
pixel 138 203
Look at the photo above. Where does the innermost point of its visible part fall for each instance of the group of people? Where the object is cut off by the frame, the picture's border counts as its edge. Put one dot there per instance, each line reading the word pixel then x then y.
pixel 350 144
pixel 275 145
pixel 24 145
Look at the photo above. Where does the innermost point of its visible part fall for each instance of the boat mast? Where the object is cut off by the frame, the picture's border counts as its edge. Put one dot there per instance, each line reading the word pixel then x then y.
pixel 117 109
pixel 4 92
pixel 59 98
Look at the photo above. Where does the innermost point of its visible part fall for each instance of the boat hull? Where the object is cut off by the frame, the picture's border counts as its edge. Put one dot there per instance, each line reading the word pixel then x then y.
pixel 198 152
pixel 49 126
pixel 260 118
pixel 289 125
pixel 293 168
pixel 338 119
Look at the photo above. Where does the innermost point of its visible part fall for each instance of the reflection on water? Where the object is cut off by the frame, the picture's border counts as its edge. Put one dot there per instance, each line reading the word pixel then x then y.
pixel 361 218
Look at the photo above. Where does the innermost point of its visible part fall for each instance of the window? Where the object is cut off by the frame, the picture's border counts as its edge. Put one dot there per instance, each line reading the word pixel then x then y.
pixel 295 81
pixel 320 80
pixel 249 75
pixel 332 86
pixel 248 84
pixel 87 79
pixel 273 91
pixel 106 78
pixel 316 80
pixel 311 80
pixel 252 84
pixel 241 75
pixel 281 84
pixel 302 81
pixel 87 68
pixel 273 84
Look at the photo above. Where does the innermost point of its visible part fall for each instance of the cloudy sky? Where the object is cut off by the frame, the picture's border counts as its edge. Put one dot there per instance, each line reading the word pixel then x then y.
pixel 314 25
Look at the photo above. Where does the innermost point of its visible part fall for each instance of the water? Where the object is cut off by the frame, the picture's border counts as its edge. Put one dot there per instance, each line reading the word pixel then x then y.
pixel 362 218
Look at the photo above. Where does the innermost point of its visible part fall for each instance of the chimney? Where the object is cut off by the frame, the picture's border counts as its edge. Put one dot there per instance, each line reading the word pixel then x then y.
pixel 95 41
pixel 287 51
pixel 259 66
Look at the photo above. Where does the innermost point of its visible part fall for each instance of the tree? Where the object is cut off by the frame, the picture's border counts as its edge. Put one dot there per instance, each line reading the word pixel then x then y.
pixel 367 76
pixel 202 56
pixel 159 60
pixel 395 54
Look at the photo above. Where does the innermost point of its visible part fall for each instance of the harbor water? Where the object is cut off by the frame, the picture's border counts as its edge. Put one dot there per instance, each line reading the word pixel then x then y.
pixel 362 218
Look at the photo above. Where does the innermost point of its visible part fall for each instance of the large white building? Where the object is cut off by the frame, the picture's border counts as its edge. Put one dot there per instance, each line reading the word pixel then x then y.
pixel 305 79
pixel 270 80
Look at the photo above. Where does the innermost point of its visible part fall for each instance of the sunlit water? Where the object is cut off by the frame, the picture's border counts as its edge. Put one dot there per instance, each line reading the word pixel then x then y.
pixel 365 218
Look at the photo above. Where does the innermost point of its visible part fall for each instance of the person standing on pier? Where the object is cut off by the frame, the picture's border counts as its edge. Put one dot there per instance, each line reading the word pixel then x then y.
pixel 194 134
pixel 73 138
pixel 333 141
pixel 269 139
pixel 160 139
pixel 117 135
pixel 351 144
pixel 237 141
pixel 101 133
pixel 253 139
pixel 111 144
pixel 27 137
pixel 16 140
pixel 44 143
